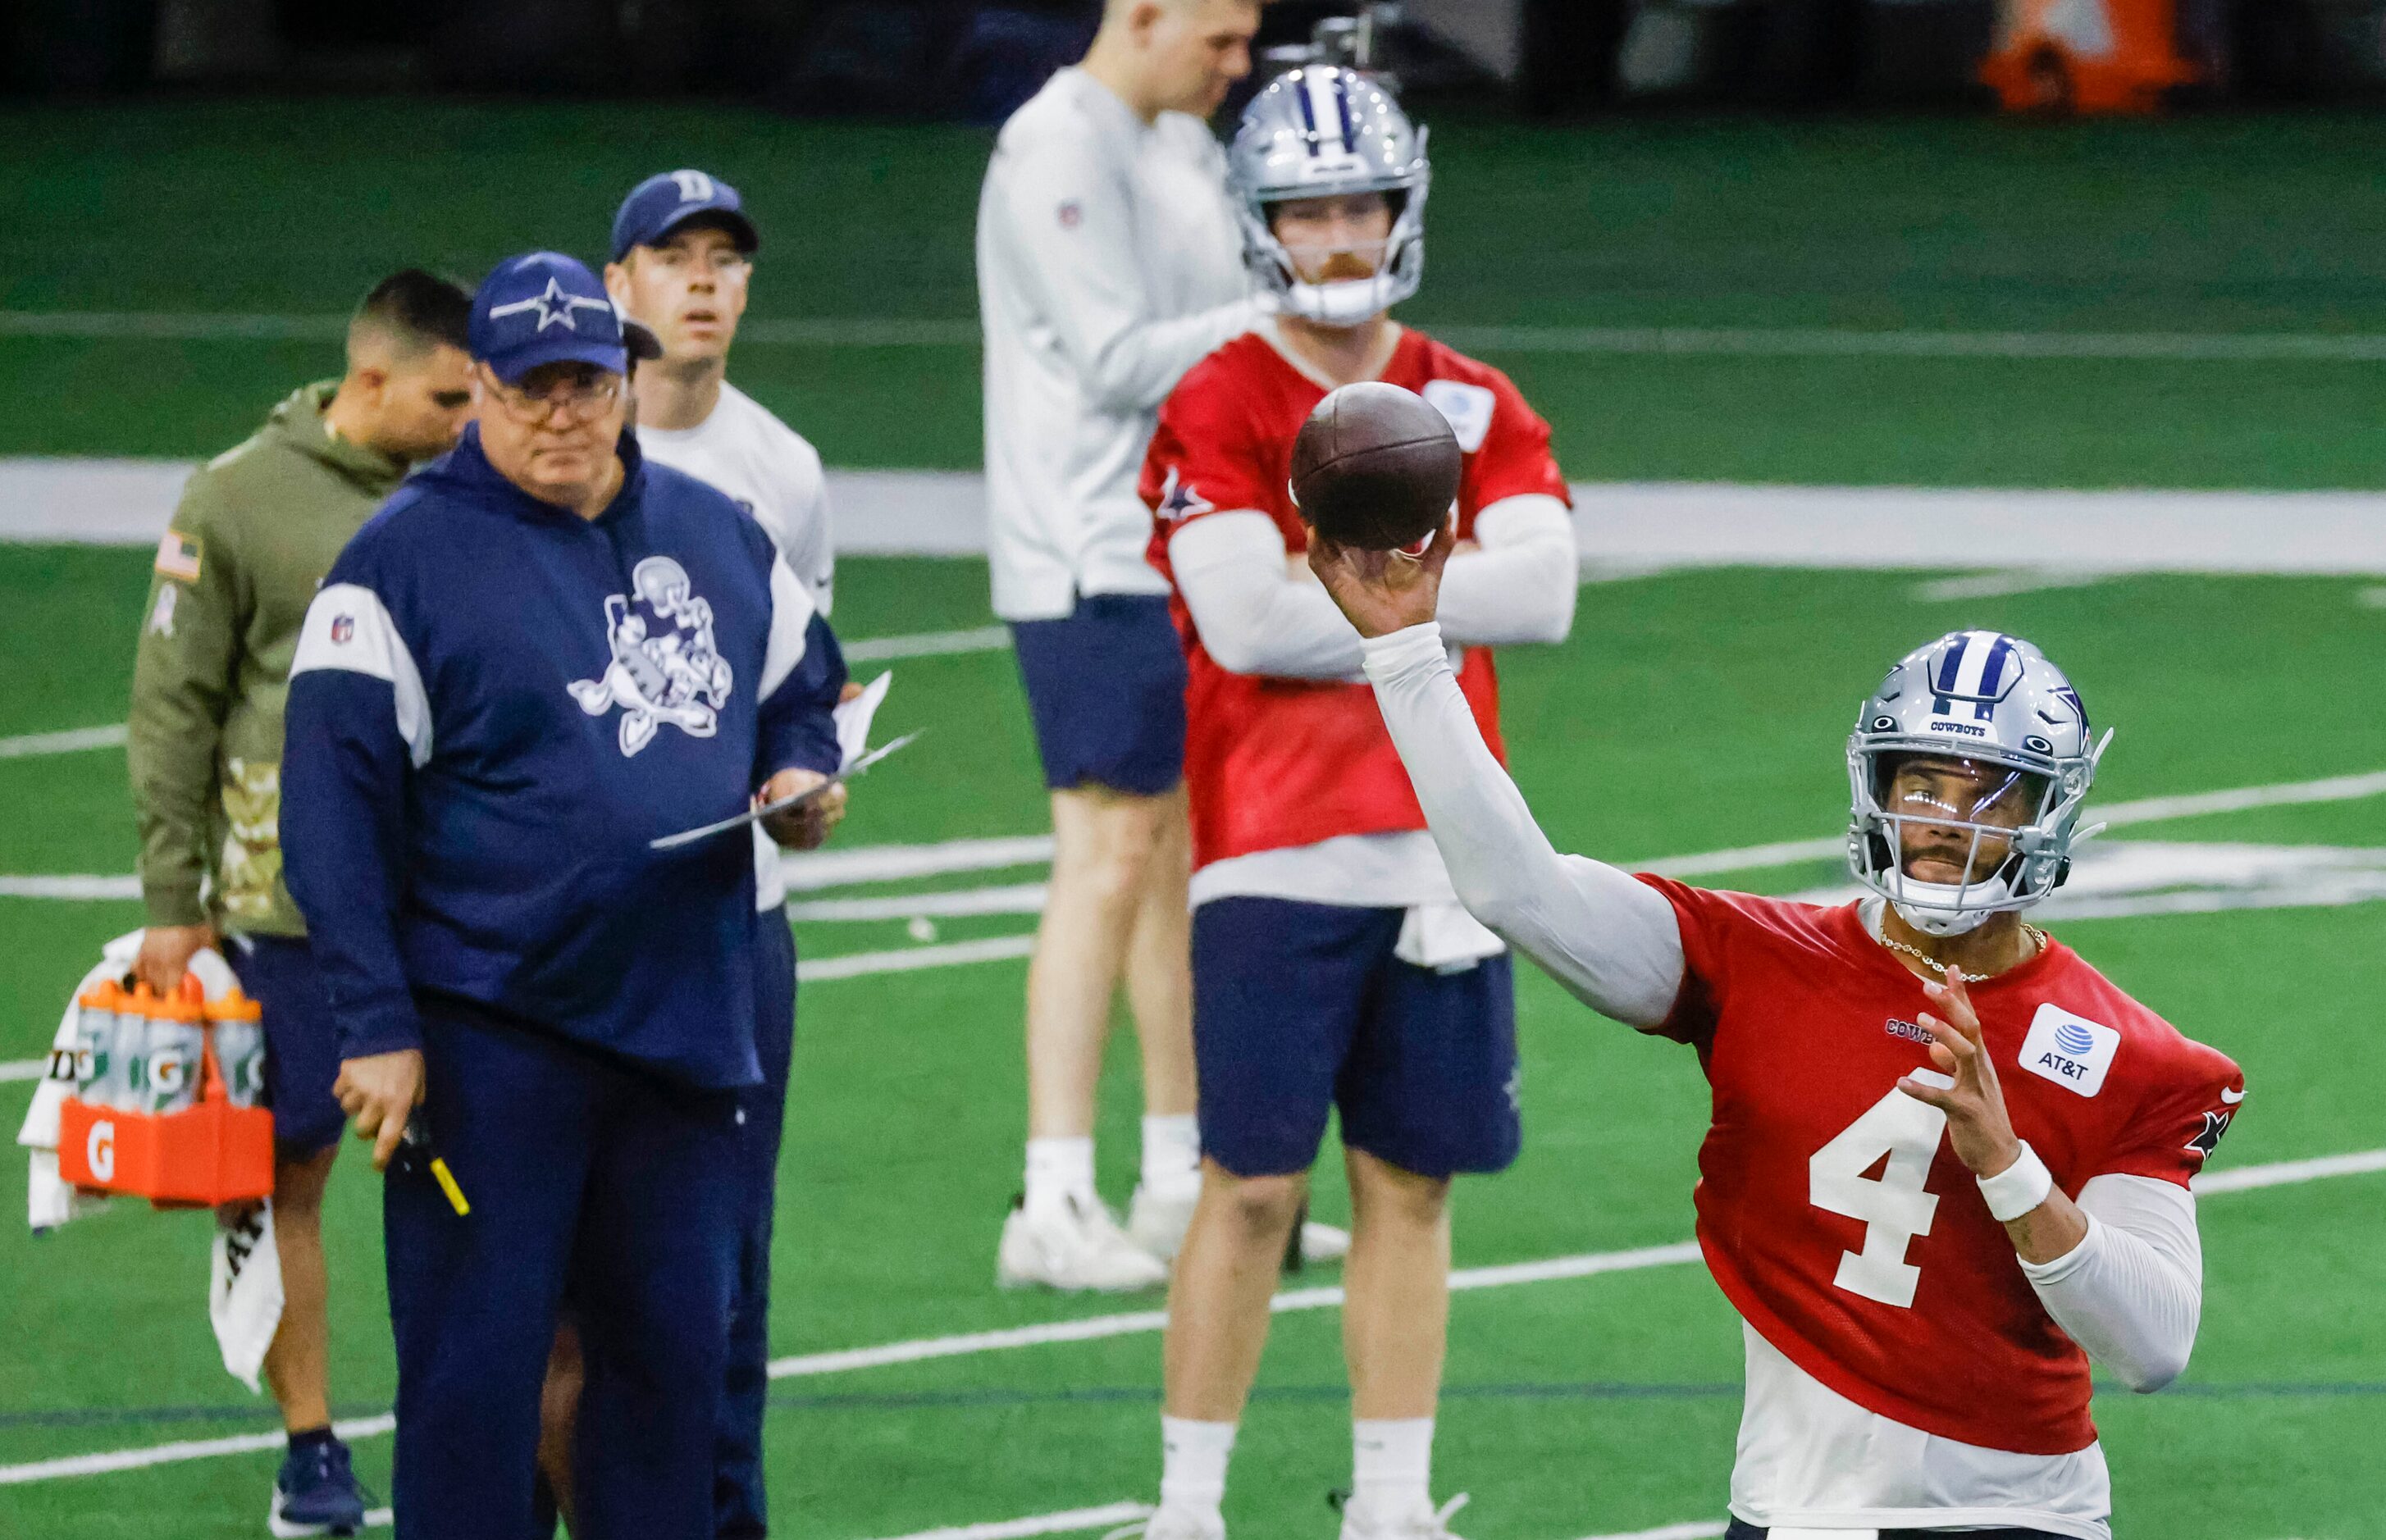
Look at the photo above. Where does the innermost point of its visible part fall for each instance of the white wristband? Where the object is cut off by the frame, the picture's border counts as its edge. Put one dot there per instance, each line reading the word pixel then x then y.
pixel 2019 1188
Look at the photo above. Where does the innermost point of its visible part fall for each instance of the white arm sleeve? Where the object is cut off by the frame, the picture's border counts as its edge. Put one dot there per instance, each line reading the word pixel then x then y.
pixel 1087 276
pixel 1254 617
pixel 1611 941
pixel 1520 587
pixel 2131 1292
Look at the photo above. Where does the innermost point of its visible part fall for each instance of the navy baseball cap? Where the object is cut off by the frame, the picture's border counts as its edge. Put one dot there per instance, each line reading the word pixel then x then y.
pixel 670 199
pixel 545 307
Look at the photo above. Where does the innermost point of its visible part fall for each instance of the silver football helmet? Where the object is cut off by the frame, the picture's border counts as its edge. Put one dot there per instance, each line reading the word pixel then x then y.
pixel 1321 131
pixel 1995 701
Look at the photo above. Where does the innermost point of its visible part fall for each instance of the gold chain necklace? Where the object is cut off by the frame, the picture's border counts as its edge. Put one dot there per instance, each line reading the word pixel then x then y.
pixel 2039 942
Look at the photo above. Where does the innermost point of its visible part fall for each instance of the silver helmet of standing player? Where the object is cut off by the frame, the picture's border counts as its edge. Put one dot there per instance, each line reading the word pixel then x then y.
pixel 1994 702
pixel 1319 131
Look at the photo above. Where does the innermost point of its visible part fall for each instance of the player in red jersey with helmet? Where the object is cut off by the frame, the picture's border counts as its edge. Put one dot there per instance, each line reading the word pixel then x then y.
pixel 1333 966
pixel 1948 1162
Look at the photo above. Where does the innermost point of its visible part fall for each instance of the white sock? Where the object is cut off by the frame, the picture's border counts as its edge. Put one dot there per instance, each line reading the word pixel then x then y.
pixel 1193 1462
pixel 1392 1464
pixel 1059 1169
pixel 1172 1155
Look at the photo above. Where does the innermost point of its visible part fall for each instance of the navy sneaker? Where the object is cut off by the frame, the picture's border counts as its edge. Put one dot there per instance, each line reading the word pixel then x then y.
pixel 316 1493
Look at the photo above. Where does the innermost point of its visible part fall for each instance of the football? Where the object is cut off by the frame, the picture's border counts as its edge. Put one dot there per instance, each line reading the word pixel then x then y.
pixel 1376 466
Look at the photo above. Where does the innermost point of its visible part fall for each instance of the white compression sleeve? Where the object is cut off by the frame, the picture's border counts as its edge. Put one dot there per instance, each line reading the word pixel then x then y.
pixel 1520 587
pixel 1611 940
pixel 2131 1292
pixel 1254 617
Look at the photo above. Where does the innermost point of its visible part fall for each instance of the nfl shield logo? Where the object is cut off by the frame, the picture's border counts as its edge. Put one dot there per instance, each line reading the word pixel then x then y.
pixel 343 628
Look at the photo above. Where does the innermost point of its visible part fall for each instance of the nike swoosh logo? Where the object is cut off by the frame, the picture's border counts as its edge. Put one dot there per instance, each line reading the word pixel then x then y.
pixel 2231 1097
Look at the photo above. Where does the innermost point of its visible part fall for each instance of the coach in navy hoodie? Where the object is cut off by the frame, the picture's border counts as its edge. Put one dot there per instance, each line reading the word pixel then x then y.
pixel 541 654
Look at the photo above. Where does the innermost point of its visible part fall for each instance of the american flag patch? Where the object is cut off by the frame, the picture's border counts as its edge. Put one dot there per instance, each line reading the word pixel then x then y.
pixel 178 556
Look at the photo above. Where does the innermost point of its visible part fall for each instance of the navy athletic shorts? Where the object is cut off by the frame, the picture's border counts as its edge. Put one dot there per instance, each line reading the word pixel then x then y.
pixel 302 1048
pixel 1105 687
pixel 1299 1007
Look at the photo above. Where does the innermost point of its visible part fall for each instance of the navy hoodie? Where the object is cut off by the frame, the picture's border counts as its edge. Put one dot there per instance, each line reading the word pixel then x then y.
pixel 496 706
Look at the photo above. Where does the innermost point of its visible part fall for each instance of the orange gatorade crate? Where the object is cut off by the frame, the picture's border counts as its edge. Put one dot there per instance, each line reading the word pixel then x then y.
pixel 148 1132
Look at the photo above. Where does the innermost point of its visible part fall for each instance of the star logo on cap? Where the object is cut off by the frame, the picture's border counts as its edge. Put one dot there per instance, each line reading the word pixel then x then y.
pixel 554 307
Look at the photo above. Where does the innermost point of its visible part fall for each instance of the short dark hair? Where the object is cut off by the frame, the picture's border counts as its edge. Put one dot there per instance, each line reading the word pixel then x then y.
pixel 419 309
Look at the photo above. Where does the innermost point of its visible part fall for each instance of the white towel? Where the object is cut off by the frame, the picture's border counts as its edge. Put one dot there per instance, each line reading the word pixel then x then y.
pixel 244 1293
pixel 1445 938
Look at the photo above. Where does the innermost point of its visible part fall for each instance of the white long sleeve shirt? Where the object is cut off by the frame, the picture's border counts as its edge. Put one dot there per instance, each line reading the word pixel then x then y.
pixel 773 474
pixel 1109 263
pixel 2131 1292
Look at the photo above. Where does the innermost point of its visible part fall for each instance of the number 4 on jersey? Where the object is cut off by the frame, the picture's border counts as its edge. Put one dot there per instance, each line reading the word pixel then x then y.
pixel 1893 1205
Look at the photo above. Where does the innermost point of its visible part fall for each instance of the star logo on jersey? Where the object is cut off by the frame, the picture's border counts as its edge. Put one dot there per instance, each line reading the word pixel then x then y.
pixel 554 307
pixel 2208 1138
pixel 1179 501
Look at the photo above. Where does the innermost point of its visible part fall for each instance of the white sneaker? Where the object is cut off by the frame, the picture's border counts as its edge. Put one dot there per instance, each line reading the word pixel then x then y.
pixel 1157 1222
pixel 1322 1243
pixel 1075 1247
pixel 1173 1523
pixel 1423 1522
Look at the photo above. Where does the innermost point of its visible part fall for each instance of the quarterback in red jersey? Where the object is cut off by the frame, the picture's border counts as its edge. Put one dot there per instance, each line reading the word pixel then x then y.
pixel 1333 966
pixel 1948 1162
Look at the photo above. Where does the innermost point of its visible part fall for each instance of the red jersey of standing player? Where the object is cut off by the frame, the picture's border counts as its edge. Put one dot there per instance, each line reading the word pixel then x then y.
pixel 1273 762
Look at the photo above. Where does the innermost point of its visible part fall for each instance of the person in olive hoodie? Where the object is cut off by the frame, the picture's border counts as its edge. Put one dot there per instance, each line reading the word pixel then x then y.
pixel 257 530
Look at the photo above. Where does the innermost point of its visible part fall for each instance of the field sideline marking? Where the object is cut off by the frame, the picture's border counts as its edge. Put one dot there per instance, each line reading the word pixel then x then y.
pixel 1584 1265
pixel 1066 1522
pixel 74 740
pixel 866 331
pixel 1708 1530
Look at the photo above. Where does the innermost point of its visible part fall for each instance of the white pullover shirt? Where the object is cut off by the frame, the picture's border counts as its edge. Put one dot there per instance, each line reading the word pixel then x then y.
pixel 773 474
pixel 1109 263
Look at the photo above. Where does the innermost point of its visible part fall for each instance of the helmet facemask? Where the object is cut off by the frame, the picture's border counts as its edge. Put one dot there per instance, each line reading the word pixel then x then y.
pixel 1398 259
pixel 1982 821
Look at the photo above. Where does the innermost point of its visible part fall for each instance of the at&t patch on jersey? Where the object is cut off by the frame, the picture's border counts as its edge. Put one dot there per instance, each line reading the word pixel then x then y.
pixel 2070 1050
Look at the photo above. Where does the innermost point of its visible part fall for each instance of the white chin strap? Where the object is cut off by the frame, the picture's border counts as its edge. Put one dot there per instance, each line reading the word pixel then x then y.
pixel 1344 302
pixel 1930 907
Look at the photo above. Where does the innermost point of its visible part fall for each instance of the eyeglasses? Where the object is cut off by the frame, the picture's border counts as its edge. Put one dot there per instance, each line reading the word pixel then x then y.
pixel 728 266
pixel 582 399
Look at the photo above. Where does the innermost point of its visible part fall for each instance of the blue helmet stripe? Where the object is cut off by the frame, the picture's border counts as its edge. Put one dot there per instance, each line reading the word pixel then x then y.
pixel 1308 113
pixel 1342 104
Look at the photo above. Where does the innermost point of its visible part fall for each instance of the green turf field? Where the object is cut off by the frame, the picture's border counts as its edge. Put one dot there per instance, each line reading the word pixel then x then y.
pixel 2257 225
pixel 1692 712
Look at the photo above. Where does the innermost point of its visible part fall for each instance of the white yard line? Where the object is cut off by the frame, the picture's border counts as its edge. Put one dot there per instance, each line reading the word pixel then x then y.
pixel 73 887
pixel 1016 899
pixel 181 1449
pixel 868 331
pixel 1624 528
pixel 1998 585
pixel 23 1069
pixel 892 863
pixel 74 740
pixel 1706 1531
pixel 1067 1523
pixel 928 643
pixel 1094 1328
pixel 854 964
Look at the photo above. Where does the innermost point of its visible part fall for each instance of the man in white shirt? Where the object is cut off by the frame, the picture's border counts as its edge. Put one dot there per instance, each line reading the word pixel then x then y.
pixel 682 254
pixel 1108 264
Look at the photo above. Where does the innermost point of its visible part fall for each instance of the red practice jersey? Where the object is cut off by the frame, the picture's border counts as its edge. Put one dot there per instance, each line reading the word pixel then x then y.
pixel 1832 1209
pixel 1273 763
